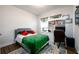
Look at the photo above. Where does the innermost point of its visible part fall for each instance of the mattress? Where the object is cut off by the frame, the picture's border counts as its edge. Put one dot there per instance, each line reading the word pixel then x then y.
pixel 20 37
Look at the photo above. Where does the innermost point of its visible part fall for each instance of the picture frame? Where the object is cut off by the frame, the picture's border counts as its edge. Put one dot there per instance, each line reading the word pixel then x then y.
pixel 67 18
pixel 77 19
pixel 69 21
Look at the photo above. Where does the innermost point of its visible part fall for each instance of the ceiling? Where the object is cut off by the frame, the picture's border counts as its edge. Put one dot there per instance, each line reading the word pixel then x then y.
pixel 39 9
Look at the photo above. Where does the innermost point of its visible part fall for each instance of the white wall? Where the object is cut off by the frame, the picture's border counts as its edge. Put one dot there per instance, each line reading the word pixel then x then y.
pixel 12 18
pixel 60 10
pixel 67 10
pixel 76 33
pixel 77 38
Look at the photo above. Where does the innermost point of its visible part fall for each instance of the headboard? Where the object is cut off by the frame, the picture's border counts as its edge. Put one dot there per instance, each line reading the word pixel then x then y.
pixel 21 29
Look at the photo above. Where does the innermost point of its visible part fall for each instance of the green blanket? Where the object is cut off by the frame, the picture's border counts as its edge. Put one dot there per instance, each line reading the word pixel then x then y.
pixel 35 42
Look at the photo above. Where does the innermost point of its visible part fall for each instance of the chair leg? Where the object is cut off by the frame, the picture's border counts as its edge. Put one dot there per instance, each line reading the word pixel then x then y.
pixel 59 44
pixel 54 43
pixel 65 43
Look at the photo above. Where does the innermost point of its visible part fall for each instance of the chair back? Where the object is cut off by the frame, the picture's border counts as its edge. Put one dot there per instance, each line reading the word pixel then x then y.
pixel 59 36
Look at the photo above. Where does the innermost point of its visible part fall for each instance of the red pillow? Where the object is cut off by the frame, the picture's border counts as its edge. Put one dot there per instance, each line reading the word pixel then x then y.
pixel 32 32
pixel 24 33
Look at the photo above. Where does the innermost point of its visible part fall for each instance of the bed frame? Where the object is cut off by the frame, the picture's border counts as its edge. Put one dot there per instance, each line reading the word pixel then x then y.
pixel 21 29
pixel 27 29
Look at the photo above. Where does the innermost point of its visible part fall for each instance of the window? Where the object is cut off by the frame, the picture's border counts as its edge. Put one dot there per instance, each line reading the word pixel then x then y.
pixel 44 24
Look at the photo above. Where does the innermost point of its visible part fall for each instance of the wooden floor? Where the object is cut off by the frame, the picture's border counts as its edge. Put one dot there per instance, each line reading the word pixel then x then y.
pixel 12 47
pixel 9 48
pixel 71 50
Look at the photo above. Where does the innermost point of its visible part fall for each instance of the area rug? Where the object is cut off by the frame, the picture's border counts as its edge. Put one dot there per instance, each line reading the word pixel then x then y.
pixel 49 49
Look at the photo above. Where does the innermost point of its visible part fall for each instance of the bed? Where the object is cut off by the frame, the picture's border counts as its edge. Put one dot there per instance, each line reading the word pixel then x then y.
pixel 33 43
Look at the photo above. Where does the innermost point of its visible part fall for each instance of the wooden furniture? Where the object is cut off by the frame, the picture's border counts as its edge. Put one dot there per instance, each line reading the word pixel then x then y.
pixel 70 42
pixel 59 36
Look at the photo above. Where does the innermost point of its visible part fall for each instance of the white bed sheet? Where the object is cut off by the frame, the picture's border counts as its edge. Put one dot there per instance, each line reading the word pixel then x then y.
pixel 20 37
